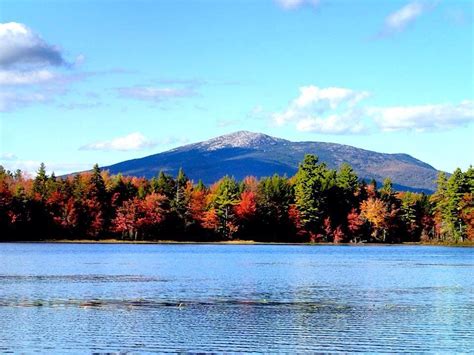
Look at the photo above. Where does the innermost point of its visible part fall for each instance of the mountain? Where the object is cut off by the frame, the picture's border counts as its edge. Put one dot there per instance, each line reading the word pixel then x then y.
pixel 246 153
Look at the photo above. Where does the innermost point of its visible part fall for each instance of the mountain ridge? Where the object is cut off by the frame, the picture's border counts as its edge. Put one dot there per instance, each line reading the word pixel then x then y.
pixel 245 153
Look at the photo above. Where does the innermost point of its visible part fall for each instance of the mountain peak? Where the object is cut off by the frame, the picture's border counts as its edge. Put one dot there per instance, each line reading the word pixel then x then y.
pixel 245 153
pixel 240 139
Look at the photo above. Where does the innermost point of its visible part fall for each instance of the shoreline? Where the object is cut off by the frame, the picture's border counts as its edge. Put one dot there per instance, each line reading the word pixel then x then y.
pixel 229 242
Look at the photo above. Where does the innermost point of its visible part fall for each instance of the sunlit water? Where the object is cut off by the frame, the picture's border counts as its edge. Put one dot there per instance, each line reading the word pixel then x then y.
pixel 58 298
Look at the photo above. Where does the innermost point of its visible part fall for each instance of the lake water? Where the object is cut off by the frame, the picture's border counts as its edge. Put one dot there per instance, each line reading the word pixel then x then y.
pixel 59 298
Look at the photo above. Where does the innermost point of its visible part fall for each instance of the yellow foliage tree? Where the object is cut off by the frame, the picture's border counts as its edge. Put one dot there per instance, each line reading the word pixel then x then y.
pixel 375 211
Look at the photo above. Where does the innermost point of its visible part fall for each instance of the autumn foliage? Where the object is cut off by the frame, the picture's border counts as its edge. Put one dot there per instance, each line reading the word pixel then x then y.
pixel 318 204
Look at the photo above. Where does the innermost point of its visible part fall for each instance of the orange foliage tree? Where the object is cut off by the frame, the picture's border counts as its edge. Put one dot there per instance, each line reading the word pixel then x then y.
pixel 375 212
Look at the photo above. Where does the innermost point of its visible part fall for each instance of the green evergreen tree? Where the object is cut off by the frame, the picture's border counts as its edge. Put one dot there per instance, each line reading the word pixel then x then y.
pixel 180 200
pixel 309 198
pixel 97 185
pixel 227 196
pixel 40 182
pixel 164 185
pixel 386 191
pixel 274 196
pixel 347 179
pixel 469 179
pixel 456 188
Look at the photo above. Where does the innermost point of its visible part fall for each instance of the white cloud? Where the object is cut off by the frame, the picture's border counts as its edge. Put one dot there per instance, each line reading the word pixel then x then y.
pixel 399 19
pixel 293 4
pixel 423 117
pixel 403 17
pixel 348 123
pixel 132 141
pixel 344 111
pixel 17 77
pixel 327 97
pixel 324 110
pixel 20 46
pixel 29 68
pixel 156 94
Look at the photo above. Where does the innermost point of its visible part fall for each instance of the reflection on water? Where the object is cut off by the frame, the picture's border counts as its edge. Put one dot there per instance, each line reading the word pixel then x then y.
pixel 140 298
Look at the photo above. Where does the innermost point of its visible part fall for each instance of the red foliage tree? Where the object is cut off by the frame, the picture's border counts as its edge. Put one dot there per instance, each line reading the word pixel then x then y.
pixel 197 205
pixel 93 209
pixel 294 216
pixel 467 214
pixel 247 207
pixel 126 220
pixel 250 184
pixel 327 229
pixel 354 222
pixel 150 211
pixel 339 236
pixel 136 217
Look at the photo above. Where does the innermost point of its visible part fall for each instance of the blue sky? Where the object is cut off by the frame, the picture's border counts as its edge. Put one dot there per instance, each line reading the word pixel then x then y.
pixel 104 81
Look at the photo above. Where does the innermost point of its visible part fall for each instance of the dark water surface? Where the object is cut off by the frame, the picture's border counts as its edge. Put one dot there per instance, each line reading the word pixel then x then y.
pixel 59 298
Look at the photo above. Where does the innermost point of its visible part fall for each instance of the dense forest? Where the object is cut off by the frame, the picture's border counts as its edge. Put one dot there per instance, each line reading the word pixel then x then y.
pixel 318 204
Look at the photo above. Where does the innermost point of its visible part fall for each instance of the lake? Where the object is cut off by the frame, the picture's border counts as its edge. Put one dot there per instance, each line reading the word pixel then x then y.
pixel 60 298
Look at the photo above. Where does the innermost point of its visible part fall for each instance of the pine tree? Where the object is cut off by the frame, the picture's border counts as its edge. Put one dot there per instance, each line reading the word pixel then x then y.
pixel 309 199
pixel 469 179
pixel 456 188
pixel 164 185
pixel 179 202
pixel 97 185
pixel 386 191
pixel 343 198
pixel 347 179
pixel 40 182
pixel 274 197
pixel 226 197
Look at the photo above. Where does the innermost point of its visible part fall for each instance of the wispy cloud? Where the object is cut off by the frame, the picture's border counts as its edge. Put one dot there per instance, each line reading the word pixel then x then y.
pixel 399 19
pixel 10 101
pixel 294 4
pixel 132 141
pixel 193 82
pixel 156 94
pixel 80 105
pixel 403 17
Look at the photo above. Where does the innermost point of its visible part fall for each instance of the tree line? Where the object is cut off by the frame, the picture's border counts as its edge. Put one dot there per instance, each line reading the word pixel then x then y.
pixel 317 204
